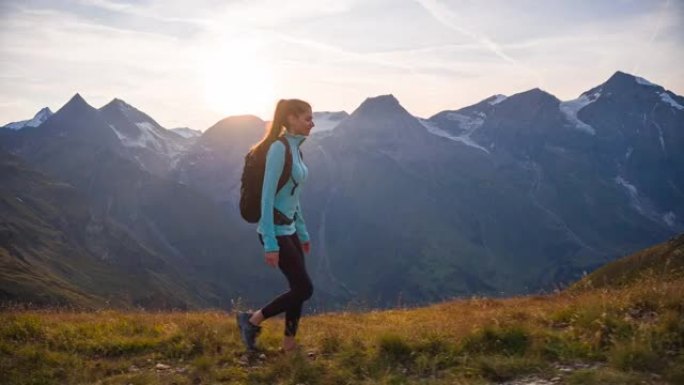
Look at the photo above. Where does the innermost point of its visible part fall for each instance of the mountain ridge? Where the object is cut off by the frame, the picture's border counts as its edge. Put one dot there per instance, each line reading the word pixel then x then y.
pixel 41 116
pixel 512 197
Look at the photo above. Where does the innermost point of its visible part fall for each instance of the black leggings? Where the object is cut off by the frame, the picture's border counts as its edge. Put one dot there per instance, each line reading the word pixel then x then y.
pixel 291 263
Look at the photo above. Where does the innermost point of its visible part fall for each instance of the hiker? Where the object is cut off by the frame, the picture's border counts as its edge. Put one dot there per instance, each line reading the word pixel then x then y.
pixel 281 228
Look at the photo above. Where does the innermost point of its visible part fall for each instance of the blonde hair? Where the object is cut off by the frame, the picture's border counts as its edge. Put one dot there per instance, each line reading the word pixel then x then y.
pixel 284 108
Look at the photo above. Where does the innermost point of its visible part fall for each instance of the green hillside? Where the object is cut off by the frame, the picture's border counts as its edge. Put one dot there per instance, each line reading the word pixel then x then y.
pixel 662 262
pixel 54 251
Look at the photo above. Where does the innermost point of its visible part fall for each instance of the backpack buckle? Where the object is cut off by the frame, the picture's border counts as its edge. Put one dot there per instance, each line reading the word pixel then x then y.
pixel 281 219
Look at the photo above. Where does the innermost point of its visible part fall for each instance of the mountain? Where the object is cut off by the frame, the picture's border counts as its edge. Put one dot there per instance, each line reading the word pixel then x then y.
pixel 117 126
pixel 639 133
pixel 37 120
pixel 432 208
pixel 460 125
pixel 394 198
pixel 466 120
pixel 76 123
pixel 623 130
pixel 435 206
pixel 213 164
pixel 522 122
pixel 155 148
pixel 185 229
pixel 515 194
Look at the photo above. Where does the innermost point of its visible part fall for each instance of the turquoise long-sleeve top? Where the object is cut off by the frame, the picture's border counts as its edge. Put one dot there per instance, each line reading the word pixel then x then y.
pixel 287 199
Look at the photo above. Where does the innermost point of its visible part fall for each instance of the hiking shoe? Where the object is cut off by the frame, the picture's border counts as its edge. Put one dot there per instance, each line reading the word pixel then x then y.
pixel 248 331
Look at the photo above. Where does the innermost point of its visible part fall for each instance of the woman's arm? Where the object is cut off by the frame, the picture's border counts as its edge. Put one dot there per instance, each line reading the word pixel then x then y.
pixel 300 225
pixel 275 162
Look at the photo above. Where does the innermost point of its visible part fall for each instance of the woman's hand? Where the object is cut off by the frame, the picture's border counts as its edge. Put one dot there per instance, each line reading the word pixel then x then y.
pixel 272 258
pixel 306 246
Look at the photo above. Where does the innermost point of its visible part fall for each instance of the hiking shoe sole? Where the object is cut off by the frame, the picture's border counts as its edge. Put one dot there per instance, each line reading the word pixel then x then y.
pixel 248 331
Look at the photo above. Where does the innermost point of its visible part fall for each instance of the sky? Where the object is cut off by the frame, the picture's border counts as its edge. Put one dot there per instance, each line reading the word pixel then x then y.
pixel 192 63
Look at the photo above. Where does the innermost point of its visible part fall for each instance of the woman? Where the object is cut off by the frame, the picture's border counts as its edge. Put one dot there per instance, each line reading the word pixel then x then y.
pixel 284 237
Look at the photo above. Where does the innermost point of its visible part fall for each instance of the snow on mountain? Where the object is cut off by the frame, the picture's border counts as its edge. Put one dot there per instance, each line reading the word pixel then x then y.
pixel 187 132
pixel 644 82
pixel 621 85
pixel 644 206
pixel 435 130
pixel 468 123
pixel 670 219
pixel 496 99
pixel 131 112
pixel 327 121
pixel 147 138
pixel 460 124
pixel 571 107
pixel 665 97
pixel 136 129
pixel 149 144
pixel 37 120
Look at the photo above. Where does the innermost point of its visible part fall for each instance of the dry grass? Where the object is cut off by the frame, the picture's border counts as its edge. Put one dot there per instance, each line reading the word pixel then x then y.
pixel 634 333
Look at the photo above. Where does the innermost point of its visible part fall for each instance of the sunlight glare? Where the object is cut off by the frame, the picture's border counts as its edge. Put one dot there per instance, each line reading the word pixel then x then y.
pixel 237 80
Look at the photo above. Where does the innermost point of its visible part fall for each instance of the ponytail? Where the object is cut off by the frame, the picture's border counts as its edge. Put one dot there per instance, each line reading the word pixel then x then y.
pixel 284 108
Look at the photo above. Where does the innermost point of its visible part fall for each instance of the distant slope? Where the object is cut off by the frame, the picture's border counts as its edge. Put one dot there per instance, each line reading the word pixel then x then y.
pixel 512 195
pixel 182 228
pixel 664 261
pixel 55 250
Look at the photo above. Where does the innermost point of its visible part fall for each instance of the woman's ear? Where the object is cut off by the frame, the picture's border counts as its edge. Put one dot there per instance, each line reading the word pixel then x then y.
pixel 290 119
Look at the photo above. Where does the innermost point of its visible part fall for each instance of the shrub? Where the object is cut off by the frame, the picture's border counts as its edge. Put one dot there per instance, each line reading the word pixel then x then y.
pixel 675 373
pixel 563 347
pixel 22 328
pixel 31 364
pixel 294 369
pixel 669 333
pixel 433 355
pixel 509 341
pixel 635 355
pixel 330 343
pixel 393 350
pixel 354 358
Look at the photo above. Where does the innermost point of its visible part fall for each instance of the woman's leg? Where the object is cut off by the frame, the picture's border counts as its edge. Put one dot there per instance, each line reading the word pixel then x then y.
pixel 292 263
pixel 294 312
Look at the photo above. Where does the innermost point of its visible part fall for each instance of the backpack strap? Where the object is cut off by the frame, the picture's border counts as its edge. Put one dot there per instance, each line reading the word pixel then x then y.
pixel 287 168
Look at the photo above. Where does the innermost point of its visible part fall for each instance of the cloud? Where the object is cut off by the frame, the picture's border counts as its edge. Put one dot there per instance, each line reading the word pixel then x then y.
pixel 48 55
pixel 658 23
pixel 450 19
pixel 431 54
pixel 144 17
pixel 279 14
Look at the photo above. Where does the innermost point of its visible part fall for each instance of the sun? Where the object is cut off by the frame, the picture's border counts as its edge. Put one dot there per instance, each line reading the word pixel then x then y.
pixel 237 80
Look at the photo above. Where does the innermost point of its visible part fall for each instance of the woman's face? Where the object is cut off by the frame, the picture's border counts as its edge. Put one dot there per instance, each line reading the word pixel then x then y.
pixel 301 124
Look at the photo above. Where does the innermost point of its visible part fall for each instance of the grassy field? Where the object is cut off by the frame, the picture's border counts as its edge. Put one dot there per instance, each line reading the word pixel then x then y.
pixel 631 333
